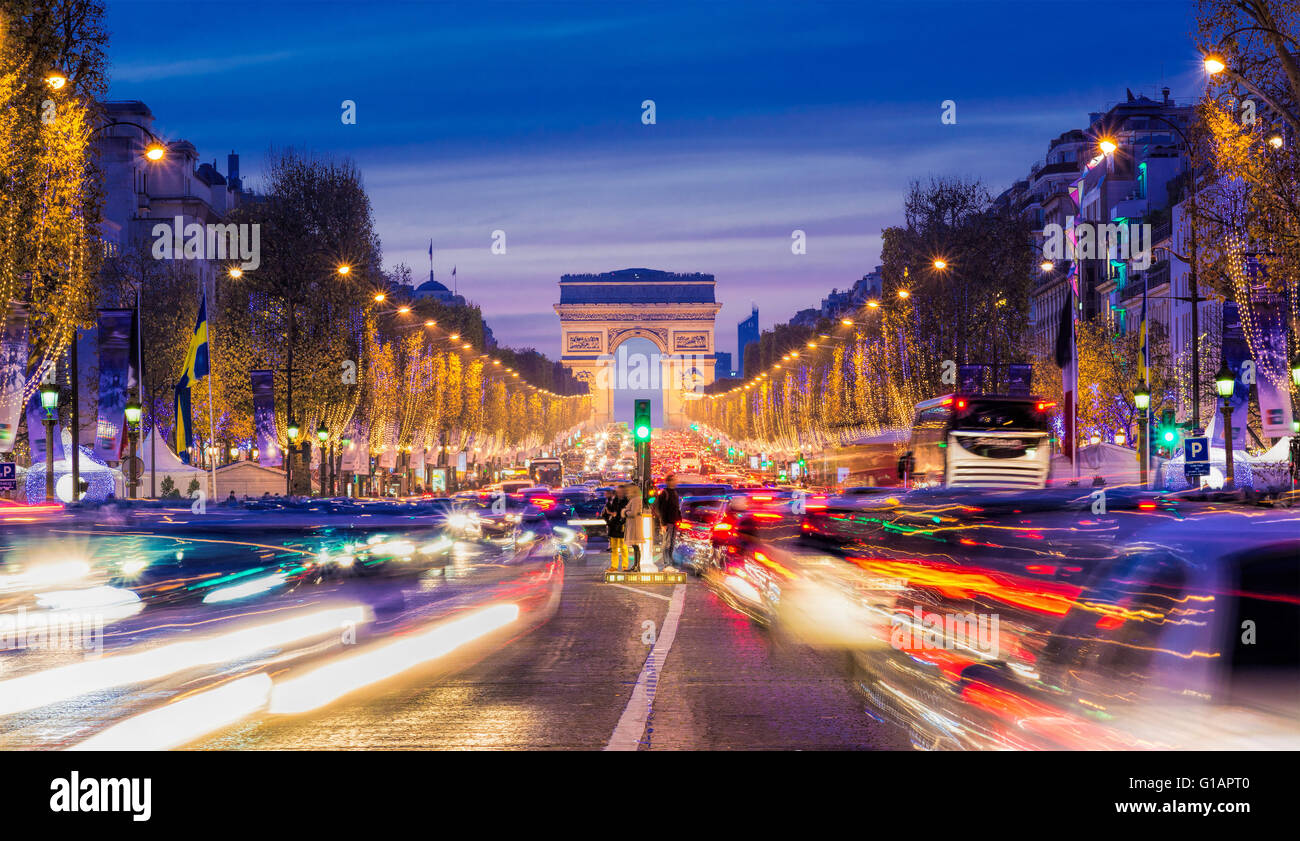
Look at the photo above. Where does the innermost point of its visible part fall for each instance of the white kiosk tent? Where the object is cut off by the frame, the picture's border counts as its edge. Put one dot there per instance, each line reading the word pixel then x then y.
pixel 249 479
pixel 1115 464
pixel 168 465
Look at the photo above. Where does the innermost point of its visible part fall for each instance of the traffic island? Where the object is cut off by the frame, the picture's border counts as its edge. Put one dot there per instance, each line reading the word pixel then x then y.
pixel 612 577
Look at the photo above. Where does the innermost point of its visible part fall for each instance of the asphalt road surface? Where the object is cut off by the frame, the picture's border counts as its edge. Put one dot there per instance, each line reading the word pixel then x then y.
pixel 631 668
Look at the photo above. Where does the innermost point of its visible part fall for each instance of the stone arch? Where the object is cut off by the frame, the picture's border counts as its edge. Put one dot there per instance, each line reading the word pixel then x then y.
pixel 618 335
pixel 674 312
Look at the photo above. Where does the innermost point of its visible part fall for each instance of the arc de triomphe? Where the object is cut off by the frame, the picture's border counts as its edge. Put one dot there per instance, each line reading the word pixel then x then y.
pixel 675 312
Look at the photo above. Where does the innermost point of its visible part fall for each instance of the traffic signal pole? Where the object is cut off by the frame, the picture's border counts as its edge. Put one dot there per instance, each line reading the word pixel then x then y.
pixel 642 429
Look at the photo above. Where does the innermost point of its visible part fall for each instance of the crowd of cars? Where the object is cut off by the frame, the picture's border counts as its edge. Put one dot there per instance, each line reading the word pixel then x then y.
pixel 1049 618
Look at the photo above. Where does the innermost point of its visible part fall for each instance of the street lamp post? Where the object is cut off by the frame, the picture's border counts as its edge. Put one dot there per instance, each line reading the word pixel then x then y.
pixel 1295 451
pixel 322 435
pixel 346 443
pixel 132 429
pixel 291 430
pixel 1226 382
pixel 50 403
pixel 1142 399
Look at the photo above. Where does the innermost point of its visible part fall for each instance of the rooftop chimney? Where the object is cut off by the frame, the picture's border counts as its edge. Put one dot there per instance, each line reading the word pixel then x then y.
pixel 1165 92
pixel 232 166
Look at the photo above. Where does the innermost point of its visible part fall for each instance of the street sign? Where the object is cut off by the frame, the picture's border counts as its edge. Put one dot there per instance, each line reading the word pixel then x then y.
pixel 1197 454
pixel 8 476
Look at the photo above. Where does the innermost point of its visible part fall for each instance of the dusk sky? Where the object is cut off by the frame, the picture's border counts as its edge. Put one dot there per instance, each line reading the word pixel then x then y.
pixel 526 117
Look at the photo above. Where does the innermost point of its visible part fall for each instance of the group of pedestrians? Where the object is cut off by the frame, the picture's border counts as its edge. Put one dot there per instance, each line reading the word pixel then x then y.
pixel 626 525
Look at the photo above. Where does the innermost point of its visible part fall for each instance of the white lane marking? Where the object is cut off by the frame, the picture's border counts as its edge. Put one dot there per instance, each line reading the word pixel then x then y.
pixel 643 592
pixel 631 725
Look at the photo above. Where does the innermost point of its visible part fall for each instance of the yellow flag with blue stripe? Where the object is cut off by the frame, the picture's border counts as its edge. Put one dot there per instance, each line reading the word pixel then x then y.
pixel 196 356
pixel 196 367
pixel 1142 351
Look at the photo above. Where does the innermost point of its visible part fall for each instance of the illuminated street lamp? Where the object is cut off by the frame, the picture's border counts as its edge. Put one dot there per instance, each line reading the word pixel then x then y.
pixel 1142 400
pixel 1214 65
pixel 379 296
pixel 50 403
pixel 344 269
pixel 155 152
pixel 56 78
pixel 1047 265
pixel 236 272
pixel 49 398
pixel 293 429
pixel 941 264
pixel 904 294
pixel 133 411
pixel 1107 146
pixel 1275 140
pixel 1225 382
pixel 323 433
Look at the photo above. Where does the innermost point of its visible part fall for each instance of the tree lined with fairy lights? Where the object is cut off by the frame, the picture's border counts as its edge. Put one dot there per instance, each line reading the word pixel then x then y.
pixel 1251 113
pixel 52 72
pixel 956 288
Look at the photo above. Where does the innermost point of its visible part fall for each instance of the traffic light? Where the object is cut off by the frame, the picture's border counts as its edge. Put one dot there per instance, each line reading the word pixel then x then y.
pixel 1168 429
pixel 641 422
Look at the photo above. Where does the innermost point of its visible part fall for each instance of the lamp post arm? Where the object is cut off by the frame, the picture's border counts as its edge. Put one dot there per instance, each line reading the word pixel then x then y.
pixel 111 123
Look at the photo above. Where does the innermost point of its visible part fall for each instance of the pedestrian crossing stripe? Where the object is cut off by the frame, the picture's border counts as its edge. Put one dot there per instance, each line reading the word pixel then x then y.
pixel 645 577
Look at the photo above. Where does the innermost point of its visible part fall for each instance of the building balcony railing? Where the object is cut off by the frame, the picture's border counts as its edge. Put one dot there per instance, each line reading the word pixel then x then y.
pixel 1152 278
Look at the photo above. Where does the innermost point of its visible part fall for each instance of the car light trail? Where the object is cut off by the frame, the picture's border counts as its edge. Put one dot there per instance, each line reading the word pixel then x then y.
pixel 44 575
pixel 334 680
pixel 63 683
pixel 173 725
pixel 243 590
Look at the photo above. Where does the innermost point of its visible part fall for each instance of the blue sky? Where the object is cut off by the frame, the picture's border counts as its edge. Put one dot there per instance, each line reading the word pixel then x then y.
pixel 525 117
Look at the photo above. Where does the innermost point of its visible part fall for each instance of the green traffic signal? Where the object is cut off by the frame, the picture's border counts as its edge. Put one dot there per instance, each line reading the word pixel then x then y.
pixel 642 425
